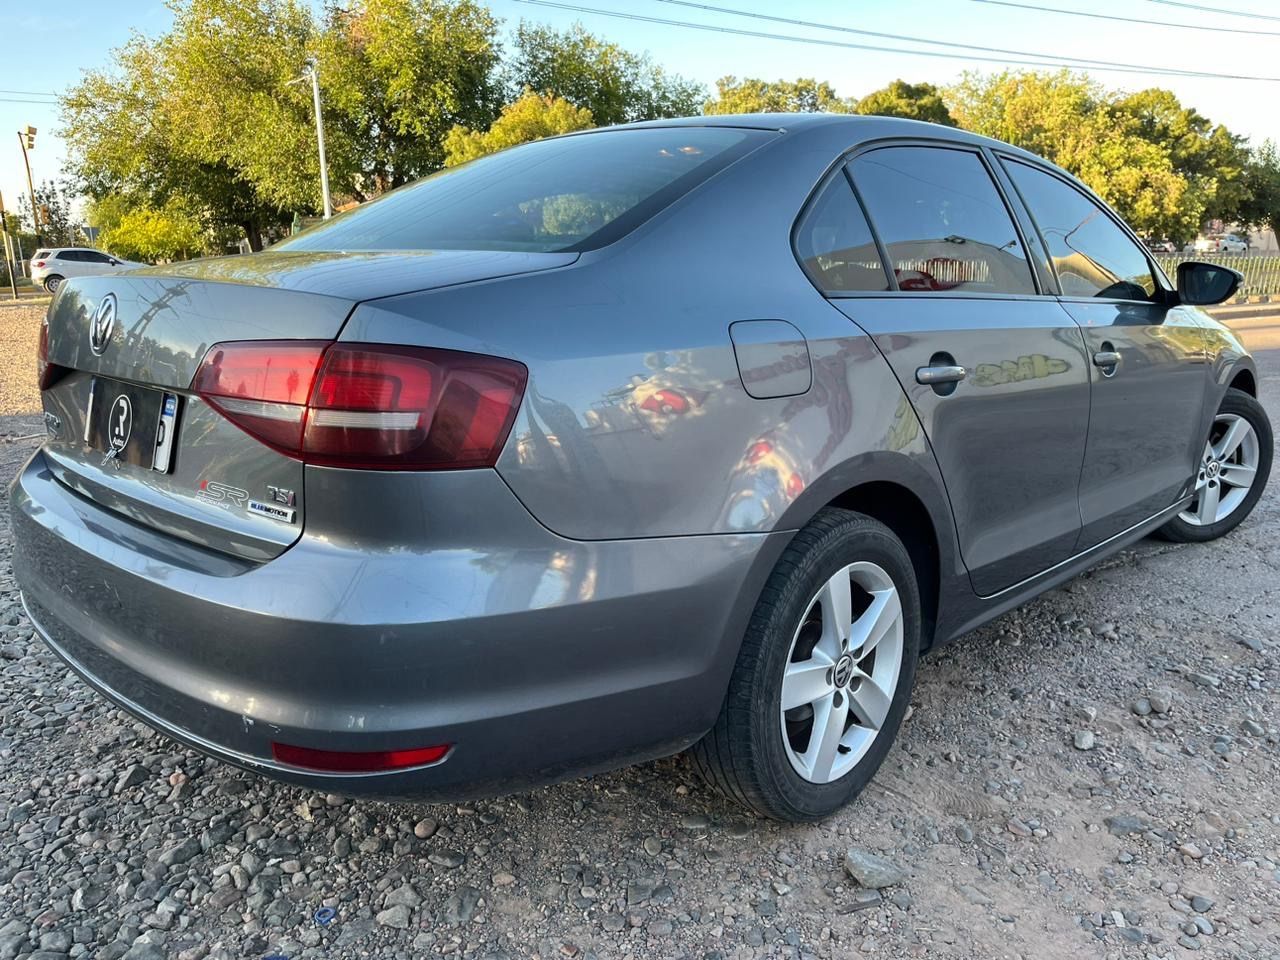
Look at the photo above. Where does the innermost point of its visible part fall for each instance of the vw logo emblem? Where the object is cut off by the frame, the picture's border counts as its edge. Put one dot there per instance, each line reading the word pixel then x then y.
pixel 102 325
pixel 843 672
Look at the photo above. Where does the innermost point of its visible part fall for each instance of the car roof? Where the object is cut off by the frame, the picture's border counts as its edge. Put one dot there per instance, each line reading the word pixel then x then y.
pixel 856 128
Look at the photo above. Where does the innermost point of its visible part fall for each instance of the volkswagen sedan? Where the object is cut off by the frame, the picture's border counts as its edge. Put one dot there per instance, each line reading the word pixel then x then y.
pixel 681 435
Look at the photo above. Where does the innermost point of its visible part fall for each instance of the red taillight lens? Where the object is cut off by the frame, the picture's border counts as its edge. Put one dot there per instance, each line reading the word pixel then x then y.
pixel 47 374
pixel 370 406
pixel 39 263
pixel 341 761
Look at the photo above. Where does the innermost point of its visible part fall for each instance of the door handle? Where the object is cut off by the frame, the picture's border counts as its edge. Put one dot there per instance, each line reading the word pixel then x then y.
pixel 940 374
pixel 1107 359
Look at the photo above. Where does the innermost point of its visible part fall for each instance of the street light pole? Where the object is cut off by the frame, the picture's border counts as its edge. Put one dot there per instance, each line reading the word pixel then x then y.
pixel 313 70
pixel 28 138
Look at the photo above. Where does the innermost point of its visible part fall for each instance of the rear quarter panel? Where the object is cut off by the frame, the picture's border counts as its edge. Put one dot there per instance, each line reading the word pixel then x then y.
pixel 635 422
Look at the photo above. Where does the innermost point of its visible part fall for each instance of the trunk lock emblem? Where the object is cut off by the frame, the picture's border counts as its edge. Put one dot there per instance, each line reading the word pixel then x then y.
pixel 102 324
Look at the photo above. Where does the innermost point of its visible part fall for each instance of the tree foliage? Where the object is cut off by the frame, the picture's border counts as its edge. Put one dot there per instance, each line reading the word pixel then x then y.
pixel 532 117
pixel 148 233
pixel 751 95
pixel 57 226
pixel 1261 206
pixel 914 101
pixel 1164 168
pixel 616 85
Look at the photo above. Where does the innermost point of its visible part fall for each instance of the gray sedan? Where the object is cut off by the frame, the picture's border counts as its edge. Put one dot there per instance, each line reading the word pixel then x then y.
pixel 685 434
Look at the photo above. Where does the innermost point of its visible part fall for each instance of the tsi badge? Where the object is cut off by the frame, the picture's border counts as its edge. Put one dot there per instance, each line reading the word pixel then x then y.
pixel 281 505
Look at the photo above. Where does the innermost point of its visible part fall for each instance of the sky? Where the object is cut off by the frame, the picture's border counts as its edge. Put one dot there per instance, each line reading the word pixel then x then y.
pixel 44 54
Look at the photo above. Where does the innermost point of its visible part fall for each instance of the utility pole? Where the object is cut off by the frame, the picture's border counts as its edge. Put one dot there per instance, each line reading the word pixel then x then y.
pixel 8 251
pixel 314 71
pixel 27 140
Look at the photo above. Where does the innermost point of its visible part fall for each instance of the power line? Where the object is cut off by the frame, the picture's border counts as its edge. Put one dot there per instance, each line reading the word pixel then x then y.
pixel 1229 13
pixel 43 103
pixel 1145 23
pixel 31 93
pixel 881 49
pixel 1175 71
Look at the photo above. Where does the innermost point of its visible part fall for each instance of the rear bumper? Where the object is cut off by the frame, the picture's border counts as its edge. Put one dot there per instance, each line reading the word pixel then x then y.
pixel 448 615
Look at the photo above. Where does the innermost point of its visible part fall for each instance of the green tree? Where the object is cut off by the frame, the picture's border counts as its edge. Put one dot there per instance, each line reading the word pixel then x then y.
pixel 616 85
pixel 751 95
pixel 532 117
pixel 57 226
pixel 213 113
pixel 170 232
pixel 1261 206
pixel 914 101
pixel 1075 123
pixel 1208 156
pixel 397 76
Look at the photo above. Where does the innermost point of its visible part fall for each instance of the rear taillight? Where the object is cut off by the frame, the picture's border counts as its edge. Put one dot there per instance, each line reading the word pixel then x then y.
pixel 371 406
pixel 47 374
pixel 39 264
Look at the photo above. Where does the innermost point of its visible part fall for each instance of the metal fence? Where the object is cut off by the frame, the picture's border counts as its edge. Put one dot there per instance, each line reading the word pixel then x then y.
pixel 1261 273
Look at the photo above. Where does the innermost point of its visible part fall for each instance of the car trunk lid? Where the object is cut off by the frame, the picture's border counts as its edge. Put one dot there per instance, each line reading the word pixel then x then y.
pixel 131 344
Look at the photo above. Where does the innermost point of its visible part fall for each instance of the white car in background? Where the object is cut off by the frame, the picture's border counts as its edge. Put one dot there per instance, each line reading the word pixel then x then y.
pixel 50 266
pixel 1221 243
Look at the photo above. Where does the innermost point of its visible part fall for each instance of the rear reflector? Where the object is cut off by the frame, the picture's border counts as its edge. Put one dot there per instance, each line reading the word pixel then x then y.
pixel 360 405
pixel 339 761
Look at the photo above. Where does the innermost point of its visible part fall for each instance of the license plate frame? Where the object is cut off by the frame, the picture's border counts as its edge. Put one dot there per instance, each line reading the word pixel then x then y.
pixel 129 424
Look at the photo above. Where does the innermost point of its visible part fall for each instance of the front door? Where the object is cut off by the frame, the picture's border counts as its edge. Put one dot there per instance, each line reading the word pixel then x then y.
pixel 997 372
pixel 1148 362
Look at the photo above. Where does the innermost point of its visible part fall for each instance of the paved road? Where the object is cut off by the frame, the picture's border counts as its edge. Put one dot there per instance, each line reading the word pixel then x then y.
pixel 1161 838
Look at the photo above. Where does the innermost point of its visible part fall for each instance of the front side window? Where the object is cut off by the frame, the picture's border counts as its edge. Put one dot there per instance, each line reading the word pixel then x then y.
pixel 1093 257
pixel 834 243
pixel 93 256
pixel 942 221
pixel 563 194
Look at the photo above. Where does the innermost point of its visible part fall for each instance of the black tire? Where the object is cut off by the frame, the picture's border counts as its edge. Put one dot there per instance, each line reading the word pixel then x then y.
pixel 52 282
pixel 743 756
pixel 1242 405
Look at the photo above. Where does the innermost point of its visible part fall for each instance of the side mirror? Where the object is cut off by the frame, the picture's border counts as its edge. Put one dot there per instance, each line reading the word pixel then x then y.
pixel 1204 284
pixel 115 262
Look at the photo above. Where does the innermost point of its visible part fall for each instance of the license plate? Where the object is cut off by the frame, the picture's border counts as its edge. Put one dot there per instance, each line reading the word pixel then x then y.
pixel 130 424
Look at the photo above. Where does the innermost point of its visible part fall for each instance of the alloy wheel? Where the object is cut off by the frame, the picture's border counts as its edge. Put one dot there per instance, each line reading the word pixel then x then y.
pixel 1227 471
pixel 842 671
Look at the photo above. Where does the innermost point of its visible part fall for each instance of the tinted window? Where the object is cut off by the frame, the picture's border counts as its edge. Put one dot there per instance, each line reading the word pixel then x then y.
pixel 942 221
pixel 570 193
pixel 834 243
pixel 40 255
pixel 93 256
pixel 1092 255
pixel 72 255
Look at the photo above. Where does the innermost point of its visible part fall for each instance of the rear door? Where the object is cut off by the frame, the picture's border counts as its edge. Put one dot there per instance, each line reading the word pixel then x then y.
pixel 1148 361
pixel 995 370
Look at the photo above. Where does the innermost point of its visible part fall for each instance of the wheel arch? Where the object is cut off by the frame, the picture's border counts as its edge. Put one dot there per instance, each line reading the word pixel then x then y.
pixel 906 494
pixel 1243 379
pixel 899 509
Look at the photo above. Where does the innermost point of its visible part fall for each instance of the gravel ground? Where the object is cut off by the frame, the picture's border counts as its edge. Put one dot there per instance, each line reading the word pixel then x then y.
pixel 1094 775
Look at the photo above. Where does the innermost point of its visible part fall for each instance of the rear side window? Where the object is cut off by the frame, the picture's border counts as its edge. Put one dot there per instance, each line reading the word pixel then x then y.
pixel 564 194
pixel 40 255
pixel 1091 254
pixel 835 245
pixel 73 256
pixel 942 221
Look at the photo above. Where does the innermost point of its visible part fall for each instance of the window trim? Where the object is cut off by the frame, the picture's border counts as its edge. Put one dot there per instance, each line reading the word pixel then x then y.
pixel 1163 287
pixel 843 161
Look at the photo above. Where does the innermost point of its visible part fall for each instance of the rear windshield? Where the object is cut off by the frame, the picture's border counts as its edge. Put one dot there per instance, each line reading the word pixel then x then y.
pixel 566 194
